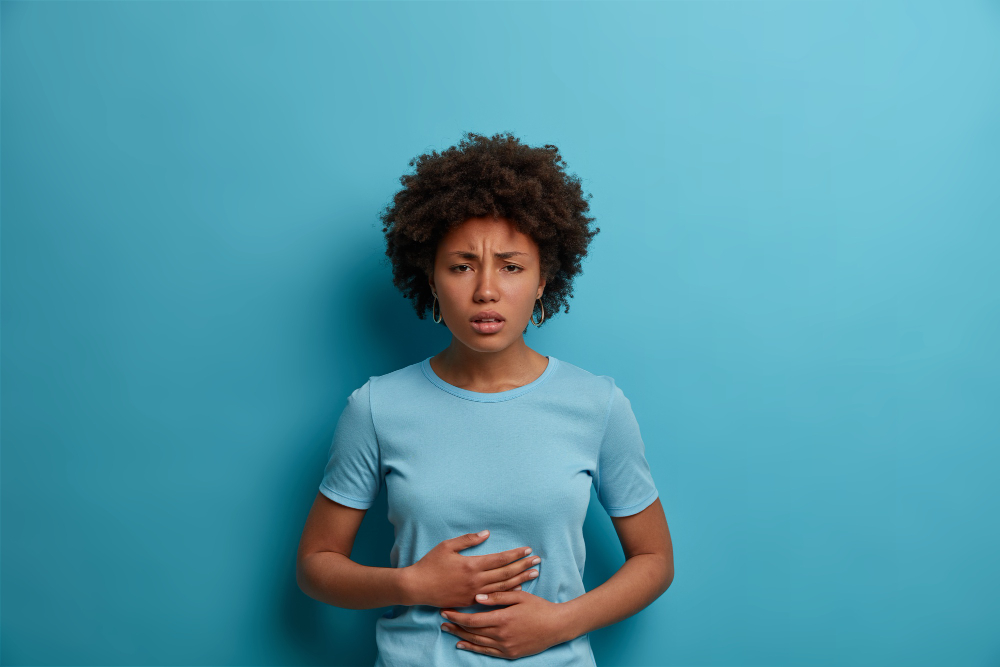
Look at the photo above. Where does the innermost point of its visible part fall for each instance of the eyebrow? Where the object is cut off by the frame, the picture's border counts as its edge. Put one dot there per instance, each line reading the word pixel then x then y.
pixel 468 254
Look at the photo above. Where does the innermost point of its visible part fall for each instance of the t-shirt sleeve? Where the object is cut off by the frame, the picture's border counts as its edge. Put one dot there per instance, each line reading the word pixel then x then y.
pixel 353 471
pixel 623 482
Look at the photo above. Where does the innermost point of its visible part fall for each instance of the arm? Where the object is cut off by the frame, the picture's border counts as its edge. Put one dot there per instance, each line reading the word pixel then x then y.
pixel 647 572
pixel 324 569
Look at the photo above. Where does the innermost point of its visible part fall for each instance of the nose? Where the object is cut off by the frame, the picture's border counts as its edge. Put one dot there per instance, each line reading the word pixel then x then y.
pixel 486 289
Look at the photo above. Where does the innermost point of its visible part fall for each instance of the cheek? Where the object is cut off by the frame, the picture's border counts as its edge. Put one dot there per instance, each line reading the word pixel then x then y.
pixel 454 291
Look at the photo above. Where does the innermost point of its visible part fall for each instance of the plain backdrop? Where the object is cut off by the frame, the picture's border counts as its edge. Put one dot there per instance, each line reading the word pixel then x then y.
pixel 796 284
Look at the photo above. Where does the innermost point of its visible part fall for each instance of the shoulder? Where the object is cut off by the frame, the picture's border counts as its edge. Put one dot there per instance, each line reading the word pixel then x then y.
pixel 401 382
pixel 382 394
pixel 601 387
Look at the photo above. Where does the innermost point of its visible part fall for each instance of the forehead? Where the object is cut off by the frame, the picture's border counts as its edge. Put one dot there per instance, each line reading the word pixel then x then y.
pixel 476 232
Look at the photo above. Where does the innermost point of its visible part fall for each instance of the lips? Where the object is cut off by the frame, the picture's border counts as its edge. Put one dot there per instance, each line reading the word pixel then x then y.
pixel 487 326
pixel 487 322
pixel 487 315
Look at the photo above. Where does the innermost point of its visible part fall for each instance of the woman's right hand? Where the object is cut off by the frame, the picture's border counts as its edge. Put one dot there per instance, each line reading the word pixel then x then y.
pixel 445 578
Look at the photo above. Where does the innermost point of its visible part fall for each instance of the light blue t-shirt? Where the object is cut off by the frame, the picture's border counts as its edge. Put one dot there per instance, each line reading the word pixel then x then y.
pixel 518 462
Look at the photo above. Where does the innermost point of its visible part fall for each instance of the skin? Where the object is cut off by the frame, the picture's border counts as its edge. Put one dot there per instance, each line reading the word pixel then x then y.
pixel 467 278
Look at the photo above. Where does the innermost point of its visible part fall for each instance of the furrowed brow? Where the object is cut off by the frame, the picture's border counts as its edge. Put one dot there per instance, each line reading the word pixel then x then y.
pixel 468 254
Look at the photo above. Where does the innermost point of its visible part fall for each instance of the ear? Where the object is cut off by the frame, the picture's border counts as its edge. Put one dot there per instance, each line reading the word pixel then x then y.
pixel 430 281
pixel 541 289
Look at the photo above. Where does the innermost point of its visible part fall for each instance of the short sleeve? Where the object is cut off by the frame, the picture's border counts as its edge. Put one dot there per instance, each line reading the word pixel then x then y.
pixel 623 482
pixel 353 471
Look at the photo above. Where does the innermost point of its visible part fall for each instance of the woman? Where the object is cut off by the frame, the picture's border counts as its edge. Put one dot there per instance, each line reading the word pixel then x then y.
pixel 488 449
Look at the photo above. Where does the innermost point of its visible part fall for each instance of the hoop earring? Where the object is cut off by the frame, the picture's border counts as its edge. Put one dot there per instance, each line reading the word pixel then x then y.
pixel 539 322
pixel 437 320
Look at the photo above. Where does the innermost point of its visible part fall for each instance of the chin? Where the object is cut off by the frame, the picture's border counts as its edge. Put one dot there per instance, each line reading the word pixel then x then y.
pixel 488 343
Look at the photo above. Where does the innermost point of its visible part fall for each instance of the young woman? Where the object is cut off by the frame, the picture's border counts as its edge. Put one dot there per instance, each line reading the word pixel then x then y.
pixel 487 449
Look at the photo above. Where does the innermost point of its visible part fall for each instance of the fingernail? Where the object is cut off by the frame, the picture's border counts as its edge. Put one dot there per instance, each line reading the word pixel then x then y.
pixel 527 551
pixel 444 615
pixel 482 596
pixel 532 573
pixel 516 588
pixel 536 561
pixel 483 533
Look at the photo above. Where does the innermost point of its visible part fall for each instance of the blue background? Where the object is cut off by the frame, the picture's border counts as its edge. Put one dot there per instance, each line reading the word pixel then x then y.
pixel 796 284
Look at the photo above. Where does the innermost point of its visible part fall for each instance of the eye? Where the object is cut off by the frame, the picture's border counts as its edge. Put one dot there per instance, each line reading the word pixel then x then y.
pixel 514 266
pixel 455 268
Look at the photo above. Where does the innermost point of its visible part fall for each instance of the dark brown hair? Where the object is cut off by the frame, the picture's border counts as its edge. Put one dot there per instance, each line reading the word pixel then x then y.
pixel 484 176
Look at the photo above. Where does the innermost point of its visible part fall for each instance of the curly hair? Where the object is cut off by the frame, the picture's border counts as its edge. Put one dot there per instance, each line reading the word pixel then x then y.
pixel 484 176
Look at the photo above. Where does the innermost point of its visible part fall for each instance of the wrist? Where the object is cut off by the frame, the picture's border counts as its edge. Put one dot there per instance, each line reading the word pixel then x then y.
pixel 405 586
pixel 568 623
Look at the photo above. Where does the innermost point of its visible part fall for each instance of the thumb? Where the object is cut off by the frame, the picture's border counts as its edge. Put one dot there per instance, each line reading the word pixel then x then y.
pixel 502 597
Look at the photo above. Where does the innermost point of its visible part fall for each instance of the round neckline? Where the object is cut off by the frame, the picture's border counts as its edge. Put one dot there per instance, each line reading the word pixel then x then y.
pixel 488 397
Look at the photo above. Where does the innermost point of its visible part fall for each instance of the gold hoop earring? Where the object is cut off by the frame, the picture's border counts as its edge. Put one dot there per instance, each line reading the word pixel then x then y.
pixel 539 322
pixel 438 319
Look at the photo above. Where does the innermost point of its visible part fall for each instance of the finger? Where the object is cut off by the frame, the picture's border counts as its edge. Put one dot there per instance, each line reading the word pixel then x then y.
pixel 513 584
pixel 482 619
pixel 468 540
pixel 511 571
pixel 475 638
pixel 501 558
pixel 476 648
pixel 500 597
pixel 489 633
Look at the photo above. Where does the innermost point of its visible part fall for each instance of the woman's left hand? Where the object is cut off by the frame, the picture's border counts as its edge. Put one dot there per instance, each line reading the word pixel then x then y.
pixel 529 625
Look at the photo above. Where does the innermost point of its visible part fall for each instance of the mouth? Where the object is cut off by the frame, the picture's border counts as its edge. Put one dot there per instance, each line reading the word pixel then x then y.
pixel 487 325
pixel 487 316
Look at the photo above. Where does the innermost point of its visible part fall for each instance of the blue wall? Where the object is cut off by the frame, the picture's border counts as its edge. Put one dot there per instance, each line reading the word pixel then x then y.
pixel 796 283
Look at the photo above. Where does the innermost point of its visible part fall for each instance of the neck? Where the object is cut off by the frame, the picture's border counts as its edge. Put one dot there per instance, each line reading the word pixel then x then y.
pixel 466 367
